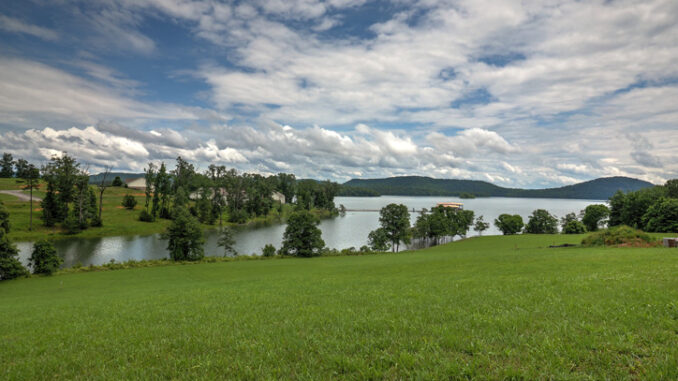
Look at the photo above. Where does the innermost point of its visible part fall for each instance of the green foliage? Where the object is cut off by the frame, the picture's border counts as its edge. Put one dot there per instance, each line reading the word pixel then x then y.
pixel 629 208
pixel 145 216
pixel 662 216
pixel 71 224
pixel 618 235
pixel 466 195
pixel 4 218
pixel 227 241
pixel 287 185
pixel 22 169
pixel 378 240
pixel 6 165
pixel 185 237
pixel 117 182
pixel 541 222
pixel 129 202
pixel 312 194
pixel 595 216
pixel 351 191
pixel 302 237
pixel 480 225
pixel 268 250
pixel 574 227
pixel 44 258
pixel 671 187
pixel 10 267
pixel 509 224
pixel 395 220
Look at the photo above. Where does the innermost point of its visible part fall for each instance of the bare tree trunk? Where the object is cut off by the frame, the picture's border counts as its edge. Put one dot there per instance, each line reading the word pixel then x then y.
pixel 102 189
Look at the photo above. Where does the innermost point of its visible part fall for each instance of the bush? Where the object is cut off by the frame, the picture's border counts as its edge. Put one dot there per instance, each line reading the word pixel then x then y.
pixel 619 235
pixel 71 224
pixel 96 221
pixel 541 222
pixel 117 182
pixel 44 258
pixel 509 224
pixel 574 227
pixel 145 216
pixel 268 251
pixel 129 202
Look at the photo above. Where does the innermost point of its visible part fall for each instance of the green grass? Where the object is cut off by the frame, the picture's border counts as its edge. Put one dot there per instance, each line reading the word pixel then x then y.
pixel 482 308
pixel 117 220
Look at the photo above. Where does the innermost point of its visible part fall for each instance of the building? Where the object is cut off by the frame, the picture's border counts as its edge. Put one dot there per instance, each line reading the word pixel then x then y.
pixel 455 205
pixel 138 183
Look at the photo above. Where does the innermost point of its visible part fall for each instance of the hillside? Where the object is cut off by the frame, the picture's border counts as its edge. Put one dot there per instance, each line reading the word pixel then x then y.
pixel 482 308
pixel 598 189
pixel 95 179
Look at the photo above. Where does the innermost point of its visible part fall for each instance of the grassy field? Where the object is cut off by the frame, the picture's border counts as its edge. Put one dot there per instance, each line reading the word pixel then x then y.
pixel 482 308
pixel 117 220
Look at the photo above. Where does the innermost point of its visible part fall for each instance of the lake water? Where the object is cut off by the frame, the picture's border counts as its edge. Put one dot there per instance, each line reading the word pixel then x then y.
pixel 340 232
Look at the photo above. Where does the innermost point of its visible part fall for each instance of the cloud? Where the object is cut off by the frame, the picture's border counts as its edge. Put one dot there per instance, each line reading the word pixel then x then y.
pixel 13 25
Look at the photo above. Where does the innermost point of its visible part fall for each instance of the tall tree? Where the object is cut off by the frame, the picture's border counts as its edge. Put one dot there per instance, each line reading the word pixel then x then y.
pixel 31 176
pixel 102 188
pixel 302 238
pixel 22 167
pixel 6 165
pixel 185 237
pixel 61 174
pixel 149 177
pixel 595 216
pixel 183 175
pixel 542 222
pixel 395 220
pixel 10 267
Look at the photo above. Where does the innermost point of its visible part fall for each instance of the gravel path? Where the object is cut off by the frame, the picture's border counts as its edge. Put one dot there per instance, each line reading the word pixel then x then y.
pixel 21 195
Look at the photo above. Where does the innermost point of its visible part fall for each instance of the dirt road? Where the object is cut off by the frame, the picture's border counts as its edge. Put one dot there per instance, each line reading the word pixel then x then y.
pixel 21 195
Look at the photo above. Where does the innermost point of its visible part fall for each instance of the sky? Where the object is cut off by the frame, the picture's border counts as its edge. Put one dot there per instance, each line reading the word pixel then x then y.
pixel 526 94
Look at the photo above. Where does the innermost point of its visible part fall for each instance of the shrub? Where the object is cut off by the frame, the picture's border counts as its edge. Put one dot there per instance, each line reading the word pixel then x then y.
pixel 71 224
pixel 117 182
pixel 44 258
pixel 129 202
pixel 145 216
pixel 96 221
pixel 268 250
pixel 619 235
pixel 574 227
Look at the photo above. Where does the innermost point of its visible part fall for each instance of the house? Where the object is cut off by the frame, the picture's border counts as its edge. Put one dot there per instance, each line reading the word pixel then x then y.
pixel 277 196
pixel 138 183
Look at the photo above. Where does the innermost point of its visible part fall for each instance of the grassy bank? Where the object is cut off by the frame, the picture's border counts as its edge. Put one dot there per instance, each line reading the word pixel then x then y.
pixel 118 221
pixel 490 307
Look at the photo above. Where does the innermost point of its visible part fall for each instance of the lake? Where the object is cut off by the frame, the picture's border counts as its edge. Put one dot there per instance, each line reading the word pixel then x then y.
pixel 340 232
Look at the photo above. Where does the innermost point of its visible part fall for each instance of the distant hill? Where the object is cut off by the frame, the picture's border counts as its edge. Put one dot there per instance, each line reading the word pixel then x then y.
pixel 96 179
pixel 598 189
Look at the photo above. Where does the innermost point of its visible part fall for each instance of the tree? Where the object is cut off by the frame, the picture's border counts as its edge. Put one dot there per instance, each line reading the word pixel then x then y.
pixel 541 222
pixel 10 267
pixel 574 227
pixel 149 177
pixel 662 216
pixel 44 258
pixel 117 182
pixel 378 240
pixel 481 225
pixel 509 224
pixel 22 167
pixel 129 202
pixel 6 165
pixel 62 175
pixel 102 188
pixel 595 216
pixel 302 238
pixel 671 188
pixel 287 185
pixel 4 218
pixel 227 241
pixel 31 176
pixel 395 220
pixel 185 237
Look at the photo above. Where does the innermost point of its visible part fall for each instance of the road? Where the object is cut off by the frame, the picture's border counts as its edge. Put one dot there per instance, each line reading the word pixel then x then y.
pixel 21 195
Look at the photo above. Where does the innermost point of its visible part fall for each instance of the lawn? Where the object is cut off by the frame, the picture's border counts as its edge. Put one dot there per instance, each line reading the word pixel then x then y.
pixel 481 308
pixel 118 221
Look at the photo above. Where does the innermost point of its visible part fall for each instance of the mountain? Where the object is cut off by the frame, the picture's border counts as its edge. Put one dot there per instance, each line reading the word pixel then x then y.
pixel 96 179
pixel 598 189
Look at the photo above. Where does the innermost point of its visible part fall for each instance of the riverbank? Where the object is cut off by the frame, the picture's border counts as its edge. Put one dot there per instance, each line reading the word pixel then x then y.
pixel 488 308
pixel 117 221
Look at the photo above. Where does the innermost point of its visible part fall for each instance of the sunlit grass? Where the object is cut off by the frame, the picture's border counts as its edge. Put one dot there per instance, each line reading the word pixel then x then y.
pixel 488 308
